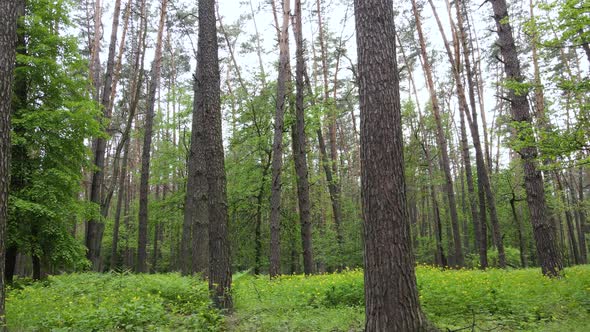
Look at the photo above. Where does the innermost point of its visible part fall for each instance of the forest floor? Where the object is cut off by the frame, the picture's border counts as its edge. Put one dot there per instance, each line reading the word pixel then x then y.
pixel 453 299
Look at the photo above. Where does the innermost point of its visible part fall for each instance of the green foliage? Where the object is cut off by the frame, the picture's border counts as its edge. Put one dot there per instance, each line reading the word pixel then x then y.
pixel 498 299
pixel 505 300
pixel 108 302
pixel 53 117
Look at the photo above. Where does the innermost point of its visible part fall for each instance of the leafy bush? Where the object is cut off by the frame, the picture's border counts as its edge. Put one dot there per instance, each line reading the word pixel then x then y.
pixel 107 302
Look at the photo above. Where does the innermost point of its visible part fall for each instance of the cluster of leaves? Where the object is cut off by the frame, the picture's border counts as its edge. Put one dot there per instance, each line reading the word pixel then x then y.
pixel 53 117
pixel 506 300
pixel 106 302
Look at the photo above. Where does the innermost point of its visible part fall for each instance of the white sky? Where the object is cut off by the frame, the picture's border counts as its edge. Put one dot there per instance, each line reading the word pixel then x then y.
pixel 334 12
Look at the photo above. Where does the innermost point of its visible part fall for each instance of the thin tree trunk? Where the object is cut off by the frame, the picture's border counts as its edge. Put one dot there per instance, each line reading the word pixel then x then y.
pixel 300 148
pixel 519 230
pixel 277 158
pixel 442 143
pixel 543 229
pixel 455 60
pixel 571 232
pixel 147 143
pixel 484 184
pixel 94 228
pixel 582 216
pixel 122 193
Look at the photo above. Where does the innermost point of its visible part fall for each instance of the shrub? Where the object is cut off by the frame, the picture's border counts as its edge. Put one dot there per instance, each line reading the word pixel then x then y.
pixel 107 302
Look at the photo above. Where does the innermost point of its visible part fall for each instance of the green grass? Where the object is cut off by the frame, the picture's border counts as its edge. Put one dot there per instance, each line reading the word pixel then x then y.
pixel 495 299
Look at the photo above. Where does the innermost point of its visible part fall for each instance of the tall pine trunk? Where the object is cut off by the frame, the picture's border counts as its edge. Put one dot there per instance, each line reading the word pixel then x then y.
pixel 8 41
pixel 147 144
pixel 543 229
pixel 277 148
pixel 391 296
pixel 209 96
pixel 300 148
pixel 457 257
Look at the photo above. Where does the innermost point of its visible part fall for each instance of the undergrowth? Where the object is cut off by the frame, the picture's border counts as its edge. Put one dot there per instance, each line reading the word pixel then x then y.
pixel 498 300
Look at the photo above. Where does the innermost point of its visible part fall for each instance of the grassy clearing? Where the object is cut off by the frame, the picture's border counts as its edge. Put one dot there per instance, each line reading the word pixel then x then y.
pixel 502 300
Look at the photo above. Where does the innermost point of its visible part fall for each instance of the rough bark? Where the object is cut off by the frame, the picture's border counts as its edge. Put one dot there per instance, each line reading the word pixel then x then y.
pixel 195 235
pixel 391 296
pixel 300 148
pixel 147 144
pixel 208 99
pixel 277 149
pixel 543 228
pixel 8 41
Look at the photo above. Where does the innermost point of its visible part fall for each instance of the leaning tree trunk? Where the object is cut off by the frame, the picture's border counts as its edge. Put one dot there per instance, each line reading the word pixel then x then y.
pixel 484 185
pixel 456 65
pixel 442 143
pixel 543 228
pixel 277 149
pixel 391 296
pixel 147 144
pixel 8 40
pixel 300 148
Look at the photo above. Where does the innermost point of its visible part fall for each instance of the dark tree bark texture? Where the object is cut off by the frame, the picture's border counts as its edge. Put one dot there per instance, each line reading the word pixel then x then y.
pixel 391 296
pixel 8 40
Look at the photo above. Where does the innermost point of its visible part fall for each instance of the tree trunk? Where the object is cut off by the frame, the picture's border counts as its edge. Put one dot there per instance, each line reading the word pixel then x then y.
pixel 147 144
pixel 484 184
pixel 519 231
pixel 120 196
pixel 8 41
pixel 195 235
pixel 277 149
pixel 208 99
pixel 94 228
pixel 571 232
pixel 582 216
pixel 300 148
pixel 442 143
pixel 543 229
pixel 333 188
pixel 391 296
pixel 456 65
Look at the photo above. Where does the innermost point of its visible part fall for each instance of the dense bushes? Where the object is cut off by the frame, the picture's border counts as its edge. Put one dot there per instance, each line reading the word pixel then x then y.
pixel 103 302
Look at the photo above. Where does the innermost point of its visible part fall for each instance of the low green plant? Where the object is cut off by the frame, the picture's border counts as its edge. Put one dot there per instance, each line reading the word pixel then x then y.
pixel 503 300
pixel 112 302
